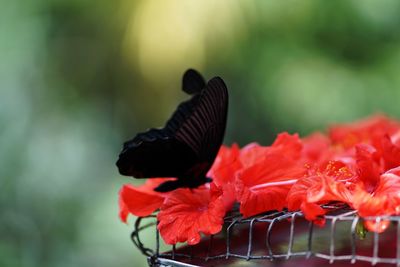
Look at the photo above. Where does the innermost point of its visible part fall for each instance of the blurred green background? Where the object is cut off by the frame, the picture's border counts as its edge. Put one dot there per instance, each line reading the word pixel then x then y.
pixel 77 78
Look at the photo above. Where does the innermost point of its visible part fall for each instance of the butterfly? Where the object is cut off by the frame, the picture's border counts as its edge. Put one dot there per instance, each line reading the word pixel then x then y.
pixel 187 145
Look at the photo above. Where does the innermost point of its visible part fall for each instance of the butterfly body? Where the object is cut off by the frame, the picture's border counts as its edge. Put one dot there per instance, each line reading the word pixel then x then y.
pixel 188 144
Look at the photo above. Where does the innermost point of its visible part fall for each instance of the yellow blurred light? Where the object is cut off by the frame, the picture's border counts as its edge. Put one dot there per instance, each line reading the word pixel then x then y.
pixel 166 37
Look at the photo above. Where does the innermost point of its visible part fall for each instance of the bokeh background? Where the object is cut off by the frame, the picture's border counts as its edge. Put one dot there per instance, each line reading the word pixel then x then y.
pixel 77 78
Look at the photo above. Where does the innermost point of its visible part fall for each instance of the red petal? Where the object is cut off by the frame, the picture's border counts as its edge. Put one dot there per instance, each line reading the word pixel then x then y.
pixel 298 193
pixel 385 200
pixel 364 131
pixel 266 199
pixel 328 190
pixel 252 153
pixel 375 226
pixel 290 145
pixel 368 205
pixel 316 149
pixel 312 211
pixel 187 213
pixel 390 153
pixel 226 164
pixel 264 186
pixel 319 188
pixel 297 200
pixel 142 200
pixel 228 195
pixel 368 166
pixel 123 210
pixel 396 138
pixel 223 172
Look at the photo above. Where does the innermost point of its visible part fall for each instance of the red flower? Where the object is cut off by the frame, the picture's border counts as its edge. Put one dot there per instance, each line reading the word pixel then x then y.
pixel 374 161
pixel 226 164
pixel 223 173
pixel 141 200
pixel 123 209
pixel 187 213
pixel 321 187
pixel 384 200
pixel 264 185
pixel 378 190
pixel 390 152
pixel 364 131
pixel 287 144
pixel 316 149
pixel 359 164
pixel 368 166
pixel 252 153
pixel 375 226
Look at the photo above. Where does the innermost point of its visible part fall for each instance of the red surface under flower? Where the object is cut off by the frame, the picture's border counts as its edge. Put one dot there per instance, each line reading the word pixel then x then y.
pixel 187 213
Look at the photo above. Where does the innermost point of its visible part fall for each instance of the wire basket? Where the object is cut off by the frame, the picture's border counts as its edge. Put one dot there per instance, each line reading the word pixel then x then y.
pixel 284 236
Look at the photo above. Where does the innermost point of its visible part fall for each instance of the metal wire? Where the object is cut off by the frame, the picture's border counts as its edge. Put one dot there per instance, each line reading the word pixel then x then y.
pixel 273 220
pixel 136 238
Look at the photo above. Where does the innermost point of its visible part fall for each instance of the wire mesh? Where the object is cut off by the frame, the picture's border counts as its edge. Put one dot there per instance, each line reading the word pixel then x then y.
pixel 282 236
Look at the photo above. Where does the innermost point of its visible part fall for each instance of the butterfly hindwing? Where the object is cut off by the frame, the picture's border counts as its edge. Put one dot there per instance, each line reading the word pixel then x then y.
pixel 154 154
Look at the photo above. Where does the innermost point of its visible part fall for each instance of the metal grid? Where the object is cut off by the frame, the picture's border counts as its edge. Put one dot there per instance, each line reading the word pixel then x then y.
pixel 271 220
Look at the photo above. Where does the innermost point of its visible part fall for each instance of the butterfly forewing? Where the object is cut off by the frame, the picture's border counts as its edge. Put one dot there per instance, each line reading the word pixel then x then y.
pixel 184 110
pixel 154 154
pixel 204 129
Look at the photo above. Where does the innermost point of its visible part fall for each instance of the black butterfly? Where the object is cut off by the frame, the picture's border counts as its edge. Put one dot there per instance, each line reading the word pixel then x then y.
pixel 187 145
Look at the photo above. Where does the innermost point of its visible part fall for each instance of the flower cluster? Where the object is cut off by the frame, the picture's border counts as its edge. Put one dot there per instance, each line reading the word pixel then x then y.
pixel 357 164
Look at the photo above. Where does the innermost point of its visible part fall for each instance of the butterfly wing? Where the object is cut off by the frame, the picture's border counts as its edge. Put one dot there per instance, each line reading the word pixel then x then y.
pixel 155 154
pixel 203 131
pixel 192 83
pixel 186 147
